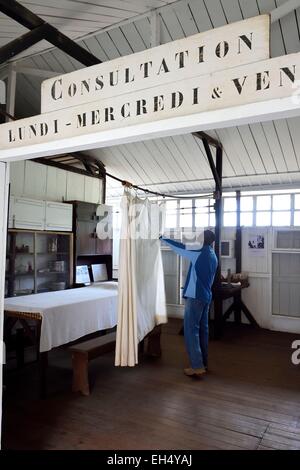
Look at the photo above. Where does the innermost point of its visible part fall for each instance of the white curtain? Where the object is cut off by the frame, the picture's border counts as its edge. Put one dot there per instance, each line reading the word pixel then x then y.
pixel 141 297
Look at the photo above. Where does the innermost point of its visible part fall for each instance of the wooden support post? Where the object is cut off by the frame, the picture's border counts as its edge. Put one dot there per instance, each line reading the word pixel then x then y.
pixel 43 366
pixel 218 303
pixel 11 92
pixel 80 373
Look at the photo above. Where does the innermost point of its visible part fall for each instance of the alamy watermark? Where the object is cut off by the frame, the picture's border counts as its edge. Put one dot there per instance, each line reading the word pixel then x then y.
pixel 295 357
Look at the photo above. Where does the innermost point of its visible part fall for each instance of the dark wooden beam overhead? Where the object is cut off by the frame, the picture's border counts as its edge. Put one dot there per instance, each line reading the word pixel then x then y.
pixel 202 135
pixel 90 166
pixel 8 51
pixel 212 164
pixel 30 20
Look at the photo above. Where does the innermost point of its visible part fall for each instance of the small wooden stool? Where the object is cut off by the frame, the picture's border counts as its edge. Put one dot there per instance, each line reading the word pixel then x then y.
pixel 84 352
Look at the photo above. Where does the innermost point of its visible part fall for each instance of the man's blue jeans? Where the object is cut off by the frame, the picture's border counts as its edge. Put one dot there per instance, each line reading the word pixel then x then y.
pixel 196 332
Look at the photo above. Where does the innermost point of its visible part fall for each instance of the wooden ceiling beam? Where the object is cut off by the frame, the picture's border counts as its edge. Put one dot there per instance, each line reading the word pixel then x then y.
pixel 30 20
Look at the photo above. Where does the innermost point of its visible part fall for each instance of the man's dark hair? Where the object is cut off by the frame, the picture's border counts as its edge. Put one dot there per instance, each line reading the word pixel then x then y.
pixel 209 237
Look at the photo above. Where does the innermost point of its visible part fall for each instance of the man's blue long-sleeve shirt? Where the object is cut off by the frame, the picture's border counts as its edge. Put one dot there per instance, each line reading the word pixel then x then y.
pixel 201 272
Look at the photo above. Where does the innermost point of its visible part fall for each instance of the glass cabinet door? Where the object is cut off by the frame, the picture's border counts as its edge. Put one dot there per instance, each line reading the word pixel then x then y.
pixel 53 254
pixel 22 262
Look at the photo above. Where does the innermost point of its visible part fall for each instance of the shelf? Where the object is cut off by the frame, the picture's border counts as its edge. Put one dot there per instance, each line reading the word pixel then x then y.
pixel 53 253
pixel 52 272
pixel 23 274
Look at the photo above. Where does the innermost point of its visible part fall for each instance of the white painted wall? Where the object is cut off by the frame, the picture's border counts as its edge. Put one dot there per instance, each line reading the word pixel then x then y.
pixel 37 181
pixel 4 181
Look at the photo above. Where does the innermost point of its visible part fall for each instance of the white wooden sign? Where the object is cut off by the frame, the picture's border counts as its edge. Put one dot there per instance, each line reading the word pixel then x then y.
pixel 235 44
pixel 252 83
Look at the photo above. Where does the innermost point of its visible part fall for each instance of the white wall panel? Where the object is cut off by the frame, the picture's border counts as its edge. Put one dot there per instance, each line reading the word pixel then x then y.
pixel 92 190
pixel 35 180
pixel 257 298
pixel 75 187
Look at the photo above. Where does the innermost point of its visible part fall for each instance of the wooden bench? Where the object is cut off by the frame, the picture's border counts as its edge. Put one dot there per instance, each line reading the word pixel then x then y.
pixel 84 352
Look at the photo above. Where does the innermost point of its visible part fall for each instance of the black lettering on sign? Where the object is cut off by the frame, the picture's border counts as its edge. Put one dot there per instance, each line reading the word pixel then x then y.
pixel 99 83
pixel 72 90
pixel 21 132
pixel 32 130
pixel 238 85
pixel 141 107
pixel 196 95
pixel 11 137
pixel 56 91
pixel 95 117
pixel 127 76
pixel 246 40
pixel 125 110
pixel 85 86
pixel 222 49
pixel 55 126
pixel 163 67
pixel 109 114
pixel 176 99
pixel 286 71
pixel 145 68
pixel 201 54
pixel 114 78
pixel 159 104
pixel 180 56
pixel 44 129
pixel 81 120
pixel 263 81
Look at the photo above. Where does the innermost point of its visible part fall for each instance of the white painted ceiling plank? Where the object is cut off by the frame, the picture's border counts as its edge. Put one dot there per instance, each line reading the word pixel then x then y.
pixel 286 143
pixel 143 27
pixel 263 146
pixel 294 126
pixel 289 30
pixel 251 149
pixel 200 15
pixel 146 161
pixel 225 138
pixel 133 37
pixel 276 149
pixel 277 45
pixel 120 42
pixel 215 12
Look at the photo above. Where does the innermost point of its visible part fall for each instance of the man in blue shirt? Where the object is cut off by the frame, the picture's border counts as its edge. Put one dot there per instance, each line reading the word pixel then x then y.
pixel 197 292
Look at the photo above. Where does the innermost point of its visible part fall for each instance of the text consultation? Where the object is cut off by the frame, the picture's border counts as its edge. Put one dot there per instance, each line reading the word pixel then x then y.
pixel 65 87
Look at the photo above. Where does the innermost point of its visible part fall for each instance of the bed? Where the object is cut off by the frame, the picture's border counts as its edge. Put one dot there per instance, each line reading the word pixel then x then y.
pixel 67 315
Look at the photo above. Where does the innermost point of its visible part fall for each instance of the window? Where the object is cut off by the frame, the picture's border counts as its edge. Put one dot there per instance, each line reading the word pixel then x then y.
pixel 186 213
pixel 246 211
pixel 246 219
pixel 229 216
pixel 263 219
pixel 281 215
pixel 171 214
pixel 202 213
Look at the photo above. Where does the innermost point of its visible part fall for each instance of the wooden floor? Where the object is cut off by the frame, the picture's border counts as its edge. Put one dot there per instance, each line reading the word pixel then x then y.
pixel 249 400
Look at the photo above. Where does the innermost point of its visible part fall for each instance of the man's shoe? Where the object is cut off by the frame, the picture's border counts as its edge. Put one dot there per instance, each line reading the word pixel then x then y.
pixel 194 372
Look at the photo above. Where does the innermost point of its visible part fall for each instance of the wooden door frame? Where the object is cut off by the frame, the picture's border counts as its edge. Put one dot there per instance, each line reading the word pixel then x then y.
pixel 4 191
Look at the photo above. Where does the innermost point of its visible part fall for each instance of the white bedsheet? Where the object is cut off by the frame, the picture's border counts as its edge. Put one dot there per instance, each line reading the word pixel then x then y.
pixel 67 315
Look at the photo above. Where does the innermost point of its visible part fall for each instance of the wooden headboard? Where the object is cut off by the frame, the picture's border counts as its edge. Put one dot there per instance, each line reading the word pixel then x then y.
pixel 88 260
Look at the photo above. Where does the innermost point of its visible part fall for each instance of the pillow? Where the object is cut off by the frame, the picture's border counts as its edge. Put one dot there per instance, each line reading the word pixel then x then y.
pixel 99 272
